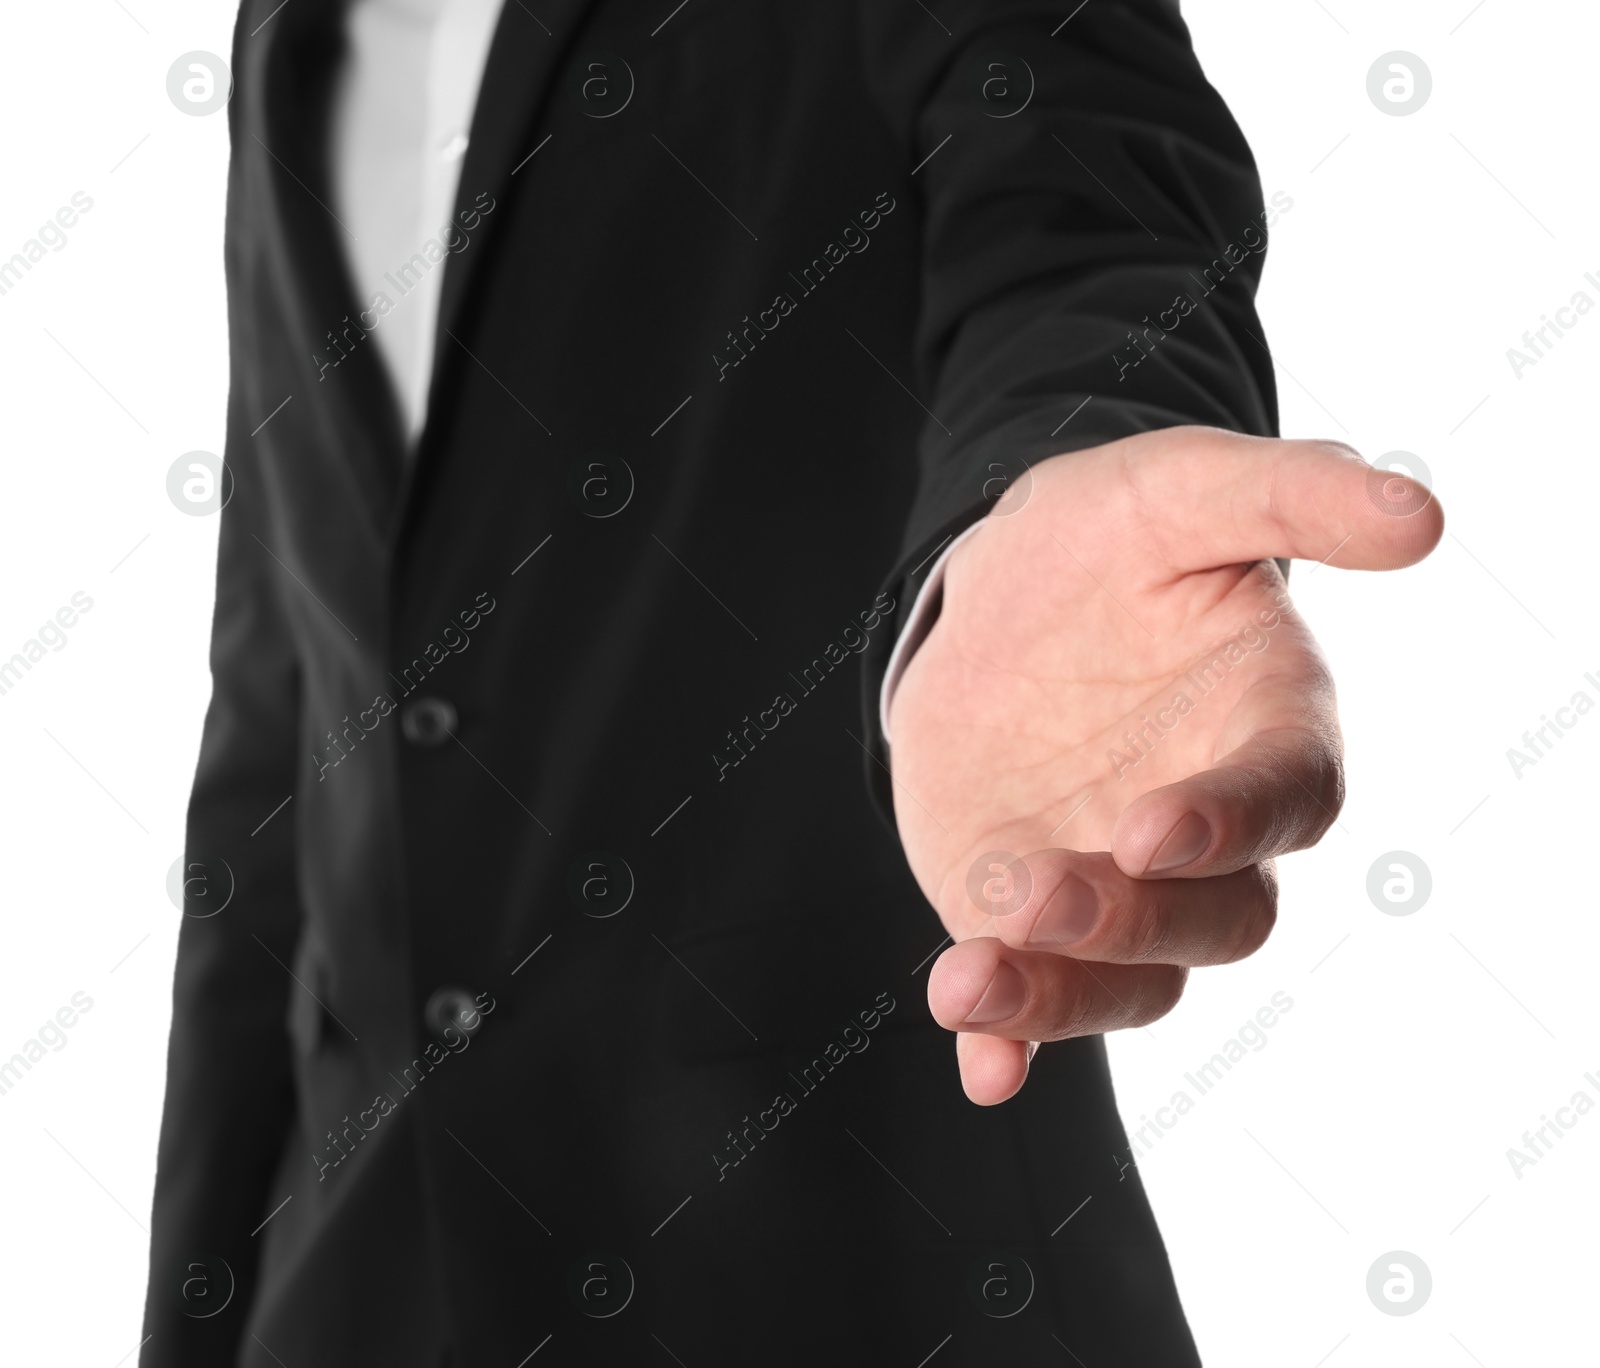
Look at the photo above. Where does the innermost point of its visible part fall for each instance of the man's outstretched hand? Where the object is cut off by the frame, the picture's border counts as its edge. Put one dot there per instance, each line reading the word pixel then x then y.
pixel 1118 720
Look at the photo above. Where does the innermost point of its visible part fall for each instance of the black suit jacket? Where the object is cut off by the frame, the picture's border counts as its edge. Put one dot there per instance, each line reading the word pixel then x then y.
pixel 575 1000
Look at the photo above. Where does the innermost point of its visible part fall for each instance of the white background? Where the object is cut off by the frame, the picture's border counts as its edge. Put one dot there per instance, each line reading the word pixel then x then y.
pixel 1419 1048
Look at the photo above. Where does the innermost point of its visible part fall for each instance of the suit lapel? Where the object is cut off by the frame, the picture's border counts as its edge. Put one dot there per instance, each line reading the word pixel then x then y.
pixel 524 56
pixel 290 63
pixel 293 59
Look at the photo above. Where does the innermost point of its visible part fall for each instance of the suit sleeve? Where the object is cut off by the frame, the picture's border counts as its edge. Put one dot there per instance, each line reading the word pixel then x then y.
pixel 1093 231
pixel 229 1093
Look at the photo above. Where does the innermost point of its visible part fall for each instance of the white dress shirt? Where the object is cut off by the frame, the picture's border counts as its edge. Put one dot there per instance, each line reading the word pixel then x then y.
pixel 402 112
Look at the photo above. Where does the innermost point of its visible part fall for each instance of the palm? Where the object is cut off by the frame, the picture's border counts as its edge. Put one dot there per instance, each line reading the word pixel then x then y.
pixel 1064 635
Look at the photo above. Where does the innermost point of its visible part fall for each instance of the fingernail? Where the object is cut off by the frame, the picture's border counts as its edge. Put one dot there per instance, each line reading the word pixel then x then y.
pixel 1072 914
pixel 1185 843
pixel 1001 999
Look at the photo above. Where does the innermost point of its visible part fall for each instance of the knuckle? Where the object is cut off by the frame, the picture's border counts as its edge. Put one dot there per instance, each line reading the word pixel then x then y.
pixel 1072 1009
pixel 1327 790
pixel 1145 930
pixel 1334 447
pixel 1334 782
pixel 1165 991
pixel 1310 784
pixel 1257 917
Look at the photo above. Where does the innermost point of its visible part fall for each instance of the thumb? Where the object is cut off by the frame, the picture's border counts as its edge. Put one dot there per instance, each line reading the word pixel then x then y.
pixel 1217 498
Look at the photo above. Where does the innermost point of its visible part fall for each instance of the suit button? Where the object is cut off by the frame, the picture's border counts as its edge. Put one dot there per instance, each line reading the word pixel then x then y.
pixel 452 1006
pixel 428 721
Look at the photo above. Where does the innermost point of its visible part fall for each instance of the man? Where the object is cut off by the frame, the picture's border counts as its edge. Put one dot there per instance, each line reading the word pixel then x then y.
pixel 797 392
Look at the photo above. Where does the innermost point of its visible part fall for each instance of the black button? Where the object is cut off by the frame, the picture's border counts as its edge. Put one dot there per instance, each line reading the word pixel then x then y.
pixel 428 721
pixel 455 1007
